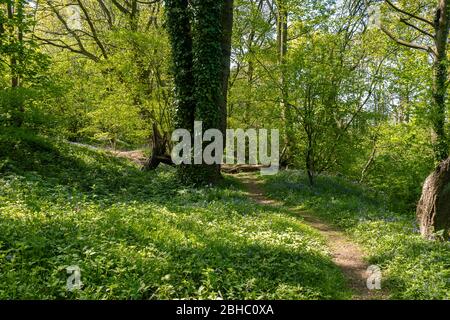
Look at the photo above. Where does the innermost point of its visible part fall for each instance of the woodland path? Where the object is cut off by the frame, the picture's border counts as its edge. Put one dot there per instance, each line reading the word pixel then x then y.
pixel 347 255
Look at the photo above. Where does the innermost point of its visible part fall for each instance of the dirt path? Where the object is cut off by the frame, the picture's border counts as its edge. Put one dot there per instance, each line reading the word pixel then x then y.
pixel 347 255
pixel 137 156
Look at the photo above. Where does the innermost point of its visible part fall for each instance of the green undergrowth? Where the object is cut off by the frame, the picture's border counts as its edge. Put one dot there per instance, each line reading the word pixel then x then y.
pixel 413 268
pixel 141 235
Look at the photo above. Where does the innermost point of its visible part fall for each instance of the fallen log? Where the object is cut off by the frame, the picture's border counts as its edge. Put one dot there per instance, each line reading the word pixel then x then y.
pixel 240 168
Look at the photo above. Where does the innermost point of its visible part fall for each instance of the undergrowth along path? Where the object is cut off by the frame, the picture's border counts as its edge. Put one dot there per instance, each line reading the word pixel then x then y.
pixel 347 255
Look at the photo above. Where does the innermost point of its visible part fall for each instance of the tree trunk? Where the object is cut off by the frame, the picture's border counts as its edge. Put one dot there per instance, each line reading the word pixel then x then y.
pixel 15 59
pixel 310 169
pixel 227 31
pixel 282 41
pixel 180 36
pixel 433 210
pixel 160 147
pixel 370 161
pixel 201 86
pixel 180 33
pixel 210 51
pixel 442 24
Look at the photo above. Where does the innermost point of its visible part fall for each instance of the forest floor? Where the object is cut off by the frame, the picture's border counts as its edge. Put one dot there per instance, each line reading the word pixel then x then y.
pixel 346 254
pixel 411 267
pixel 142 235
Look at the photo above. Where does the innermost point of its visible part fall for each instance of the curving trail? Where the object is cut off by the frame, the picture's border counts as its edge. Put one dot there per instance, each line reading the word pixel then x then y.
pixel 347 255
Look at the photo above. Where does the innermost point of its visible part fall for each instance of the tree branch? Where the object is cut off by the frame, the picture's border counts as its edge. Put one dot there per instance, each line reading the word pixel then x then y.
pixel 82 49
pixel 120 7
pixel 416 28
pixel 408 13
pixel 93 30
pixel 106 12
pixel 63 45
pixel 406 43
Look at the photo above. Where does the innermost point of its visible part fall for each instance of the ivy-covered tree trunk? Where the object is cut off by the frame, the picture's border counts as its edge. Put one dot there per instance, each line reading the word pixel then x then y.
pixel 227 31
pixel 201 50
pixel 433 210
pixel 212 50
pixel 180 35
pixel 440 86
pixel 208 75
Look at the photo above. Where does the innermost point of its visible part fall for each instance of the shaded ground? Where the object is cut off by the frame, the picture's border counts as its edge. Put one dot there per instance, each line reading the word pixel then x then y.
pixel 141 235
pixel 347 255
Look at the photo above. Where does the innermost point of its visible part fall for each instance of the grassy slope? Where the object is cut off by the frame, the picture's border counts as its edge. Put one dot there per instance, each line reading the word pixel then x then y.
pixel 412 267
pixel 140 235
